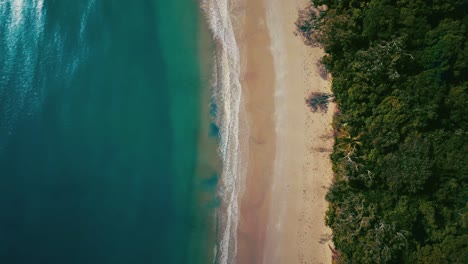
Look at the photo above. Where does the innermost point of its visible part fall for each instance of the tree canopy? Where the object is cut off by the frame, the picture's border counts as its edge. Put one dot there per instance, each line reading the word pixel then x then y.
pixel 400 79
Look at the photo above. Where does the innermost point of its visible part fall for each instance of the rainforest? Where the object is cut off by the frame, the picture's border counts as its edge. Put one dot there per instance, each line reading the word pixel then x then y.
pixel 400 163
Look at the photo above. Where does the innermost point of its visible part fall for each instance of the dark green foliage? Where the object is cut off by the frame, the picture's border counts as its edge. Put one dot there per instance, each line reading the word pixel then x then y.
pixel 400 79
pixel 407 169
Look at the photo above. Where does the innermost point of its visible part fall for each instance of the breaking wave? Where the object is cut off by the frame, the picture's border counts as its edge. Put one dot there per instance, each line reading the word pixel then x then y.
pixel 227 94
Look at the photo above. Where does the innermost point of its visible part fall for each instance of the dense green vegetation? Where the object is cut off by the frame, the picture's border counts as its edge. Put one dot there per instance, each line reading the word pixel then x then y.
pixel 400 79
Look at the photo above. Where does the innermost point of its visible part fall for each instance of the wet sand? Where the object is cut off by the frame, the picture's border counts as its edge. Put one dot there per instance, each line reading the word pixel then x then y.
pixel 258 86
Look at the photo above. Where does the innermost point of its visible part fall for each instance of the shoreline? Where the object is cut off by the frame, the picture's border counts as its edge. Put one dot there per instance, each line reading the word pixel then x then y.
pixel 275 152
pixel 228 110
pixel 208 161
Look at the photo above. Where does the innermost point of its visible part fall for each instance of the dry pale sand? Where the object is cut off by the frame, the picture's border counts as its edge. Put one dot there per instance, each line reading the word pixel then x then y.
pixel 283 206
pixel 296 232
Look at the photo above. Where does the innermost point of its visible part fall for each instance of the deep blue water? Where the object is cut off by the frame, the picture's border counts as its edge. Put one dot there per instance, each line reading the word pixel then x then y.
pixel 99 128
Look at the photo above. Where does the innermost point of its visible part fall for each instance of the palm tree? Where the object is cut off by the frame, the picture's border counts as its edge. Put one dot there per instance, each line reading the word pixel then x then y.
pixel 348 144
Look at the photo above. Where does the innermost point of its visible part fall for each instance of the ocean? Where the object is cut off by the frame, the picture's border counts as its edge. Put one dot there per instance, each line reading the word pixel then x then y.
pixel 107 150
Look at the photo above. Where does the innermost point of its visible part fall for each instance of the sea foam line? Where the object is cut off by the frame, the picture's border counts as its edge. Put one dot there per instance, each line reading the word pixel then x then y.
pixel 21 30
pixel 227 96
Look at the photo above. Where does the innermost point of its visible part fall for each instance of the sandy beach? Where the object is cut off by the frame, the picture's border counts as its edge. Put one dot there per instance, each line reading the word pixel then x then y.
pixel 258 93
pixel 283 204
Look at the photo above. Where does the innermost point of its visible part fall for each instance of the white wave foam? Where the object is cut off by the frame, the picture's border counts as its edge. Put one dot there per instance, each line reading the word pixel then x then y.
pixel 24 49
pixel 22 30
pixel 84 19
pixel 227 95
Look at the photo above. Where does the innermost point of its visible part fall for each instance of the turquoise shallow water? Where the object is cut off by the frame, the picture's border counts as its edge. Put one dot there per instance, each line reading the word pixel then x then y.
pixel 99 129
